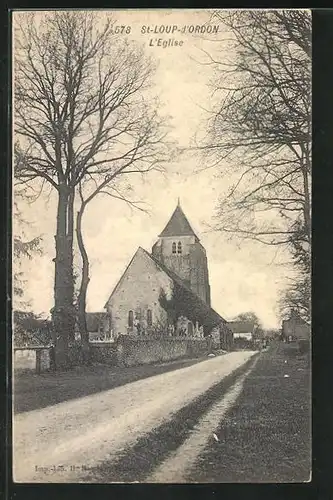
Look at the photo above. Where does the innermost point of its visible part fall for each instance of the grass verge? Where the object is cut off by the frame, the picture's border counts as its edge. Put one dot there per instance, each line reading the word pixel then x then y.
pixel 266 436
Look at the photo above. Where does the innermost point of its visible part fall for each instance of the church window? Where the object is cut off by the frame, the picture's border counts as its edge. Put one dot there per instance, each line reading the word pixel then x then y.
pixel 179 247
pixel 174 248
pixel 149 317
pixel 130 319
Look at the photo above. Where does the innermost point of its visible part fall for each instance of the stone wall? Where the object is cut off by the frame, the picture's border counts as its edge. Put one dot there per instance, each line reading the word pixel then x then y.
pixel 24 359
pixel 126 351
pixel 41 359
pixel 33 359
pixel 104 352
pixel 133 351
pixel 101 352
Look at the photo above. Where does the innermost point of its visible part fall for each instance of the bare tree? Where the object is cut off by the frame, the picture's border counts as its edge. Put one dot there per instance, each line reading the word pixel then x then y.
pixel 149 150
pixel 297 294
pixel 259 133
pixel 261 124
pixel 75 87
pixel 248 316
pixel 296 297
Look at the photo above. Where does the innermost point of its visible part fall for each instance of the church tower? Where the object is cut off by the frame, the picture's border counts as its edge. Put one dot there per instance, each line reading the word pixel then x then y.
pixel 180 250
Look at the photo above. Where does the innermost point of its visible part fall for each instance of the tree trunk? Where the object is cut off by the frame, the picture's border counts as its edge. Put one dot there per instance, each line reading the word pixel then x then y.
pixel 306 169
pixel 83 287
pixel 71 284
pixel 307 210
pixel 63 311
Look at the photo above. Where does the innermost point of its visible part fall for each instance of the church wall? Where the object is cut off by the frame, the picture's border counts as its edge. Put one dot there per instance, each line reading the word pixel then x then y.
pixel 138 291
pixel 191 265
pixel 167 241
pixel 178 263
pixel 199 272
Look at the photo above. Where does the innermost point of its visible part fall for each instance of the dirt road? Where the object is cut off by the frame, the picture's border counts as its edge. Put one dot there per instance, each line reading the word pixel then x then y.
pixel 66 441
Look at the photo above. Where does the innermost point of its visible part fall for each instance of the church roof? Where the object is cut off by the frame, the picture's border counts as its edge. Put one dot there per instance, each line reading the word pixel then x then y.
pixel 178 225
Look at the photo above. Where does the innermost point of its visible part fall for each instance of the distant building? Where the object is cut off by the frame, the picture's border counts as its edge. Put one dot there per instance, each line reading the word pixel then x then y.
pixel 167 291
pixel 295 328
pixel 243 329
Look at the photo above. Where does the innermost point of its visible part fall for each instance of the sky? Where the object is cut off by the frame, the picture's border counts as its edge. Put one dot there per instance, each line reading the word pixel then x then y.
pixel 243 276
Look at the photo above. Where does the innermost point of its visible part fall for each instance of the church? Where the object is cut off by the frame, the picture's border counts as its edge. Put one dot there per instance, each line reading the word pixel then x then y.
pixel 167 291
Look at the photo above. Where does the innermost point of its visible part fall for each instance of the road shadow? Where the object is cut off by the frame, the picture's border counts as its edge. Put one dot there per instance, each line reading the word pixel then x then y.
pixel 32 391
pixel 136 462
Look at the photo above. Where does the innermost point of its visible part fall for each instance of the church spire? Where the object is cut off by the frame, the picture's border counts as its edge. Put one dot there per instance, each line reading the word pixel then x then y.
pixel 178 224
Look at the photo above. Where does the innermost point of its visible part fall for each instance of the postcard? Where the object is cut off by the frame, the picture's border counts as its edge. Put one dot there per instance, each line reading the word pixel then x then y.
pixel 161 246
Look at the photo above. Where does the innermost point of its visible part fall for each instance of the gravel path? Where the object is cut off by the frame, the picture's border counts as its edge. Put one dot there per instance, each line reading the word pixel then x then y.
pixel 60 442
